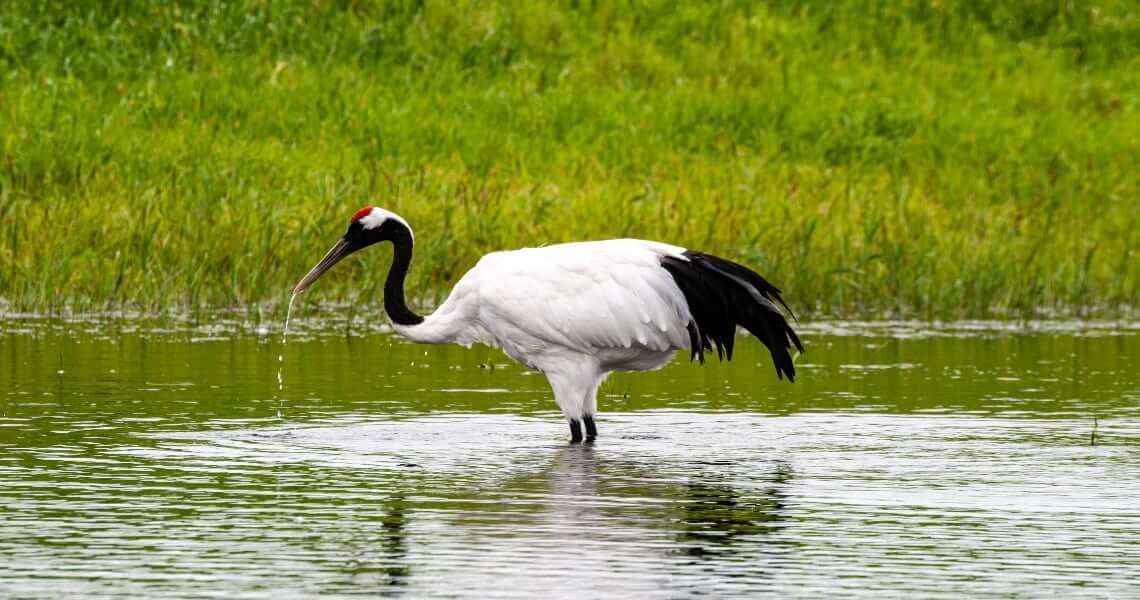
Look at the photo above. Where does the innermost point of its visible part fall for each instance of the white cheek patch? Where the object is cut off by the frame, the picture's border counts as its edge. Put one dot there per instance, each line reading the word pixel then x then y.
pixel 377 217
pixel 374 219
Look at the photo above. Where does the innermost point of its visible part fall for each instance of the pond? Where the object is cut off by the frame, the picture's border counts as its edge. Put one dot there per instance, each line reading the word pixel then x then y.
pixel 150 459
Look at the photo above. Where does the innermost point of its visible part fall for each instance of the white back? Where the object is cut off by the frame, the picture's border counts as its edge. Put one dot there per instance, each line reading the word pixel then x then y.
pixel 581 297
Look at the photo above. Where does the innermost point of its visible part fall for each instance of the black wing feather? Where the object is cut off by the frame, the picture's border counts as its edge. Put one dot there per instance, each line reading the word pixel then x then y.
pixel 723 295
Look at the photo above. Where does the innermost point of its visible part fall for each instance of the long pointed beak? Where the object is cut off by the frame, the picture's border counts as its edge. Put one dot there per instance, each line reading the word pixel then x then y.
pixel 340 250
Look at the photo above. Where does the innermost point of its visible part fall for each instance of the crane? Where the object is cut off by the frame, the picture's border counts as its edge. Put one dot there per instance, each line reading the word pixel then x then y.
pixel 578 311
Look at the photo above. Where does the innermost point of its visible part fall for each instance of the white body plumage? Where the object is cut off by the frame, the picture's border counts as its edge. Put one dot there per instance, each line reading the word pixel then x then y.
pixel 573 311
pixel 579 311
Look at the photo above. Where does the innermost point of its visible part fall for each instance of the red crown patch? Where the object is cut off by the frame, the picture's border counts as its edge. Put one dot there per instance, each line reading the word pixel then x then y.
pixel 360 214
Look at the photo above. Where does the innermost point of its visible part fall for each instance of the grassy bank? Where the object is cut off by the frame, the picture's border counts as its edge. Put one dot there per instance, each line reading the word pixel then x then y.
pixel 920 158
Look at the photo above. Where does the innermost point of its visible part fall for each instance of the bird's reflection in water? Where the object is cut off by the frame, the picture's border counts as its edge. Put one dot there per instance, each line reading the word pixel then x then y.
pixel 394 542
pixel 717 511
pixel 379 555
pixel 707 521
pixel 572 478
pixel 716 518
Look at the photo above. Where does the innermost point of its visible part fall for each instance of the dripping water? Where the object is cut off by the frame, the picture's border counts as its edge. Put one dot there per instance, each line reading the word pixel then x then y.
pixel 281 356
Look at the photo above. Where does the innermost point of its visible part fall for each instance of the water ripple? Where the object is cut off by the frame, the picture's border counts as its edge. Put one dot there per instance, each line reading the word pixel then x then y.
pixel 946 461
pixel 666 502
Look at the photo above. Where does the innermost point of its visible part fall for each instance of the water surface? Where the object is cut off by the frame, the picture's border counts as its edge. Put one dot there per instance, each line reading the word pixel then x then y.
pixel 147 460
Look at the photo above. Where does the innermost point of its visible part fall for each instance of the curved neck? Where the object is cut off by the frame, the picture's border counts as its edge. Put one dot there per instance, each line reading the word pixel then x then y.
pixel 394 303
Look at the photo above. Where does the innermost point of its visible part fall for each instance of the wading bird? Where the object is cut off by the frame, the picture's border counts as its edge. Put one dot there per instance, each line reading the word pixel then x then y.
pixel 577 312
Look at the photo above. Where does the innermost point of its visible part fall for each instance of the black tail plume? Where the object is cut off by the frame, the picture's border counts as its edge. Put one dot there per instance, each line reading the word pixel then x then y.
pixel 722 295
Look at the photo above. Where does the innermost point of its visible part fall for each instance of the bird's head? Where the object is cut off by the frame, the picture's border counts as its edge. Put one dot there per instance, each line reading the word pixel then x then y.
pixel 368 226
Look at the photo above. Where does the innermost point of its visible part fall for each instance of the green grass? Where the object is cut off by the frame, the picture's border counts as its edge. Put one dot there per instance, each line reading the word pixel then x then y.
pixel 930 159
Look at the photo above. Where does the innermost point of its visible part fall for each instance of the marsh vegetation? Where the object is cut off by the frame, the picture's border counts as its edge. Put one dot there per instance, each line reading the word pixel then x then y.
pixel 922 158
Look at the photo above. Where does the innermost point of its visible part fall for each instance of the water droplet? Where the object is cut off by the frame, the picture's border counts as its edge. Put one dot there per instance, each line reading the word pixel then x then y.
pixel 281 354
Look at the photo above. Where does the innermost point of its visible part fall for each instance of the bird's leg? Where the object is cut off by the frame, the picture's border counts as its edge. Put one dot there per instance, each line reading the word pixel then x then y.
pixel 575 431
pixel 568 393
pixel 590 408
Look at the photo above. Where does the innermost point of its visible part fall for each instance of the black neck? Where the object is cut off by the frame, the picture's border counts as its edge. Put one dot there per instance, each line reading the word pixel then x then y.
pixel 394 302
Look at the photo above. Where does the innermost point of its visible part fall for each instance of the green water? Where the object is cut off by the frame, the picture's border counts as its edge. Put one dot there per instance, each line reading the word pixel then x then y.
pixel 148 460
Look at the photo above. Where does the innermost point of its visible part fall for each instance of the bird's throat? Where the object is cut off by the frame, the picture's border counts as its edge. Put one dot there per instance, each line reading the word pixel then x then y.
pixel 394 302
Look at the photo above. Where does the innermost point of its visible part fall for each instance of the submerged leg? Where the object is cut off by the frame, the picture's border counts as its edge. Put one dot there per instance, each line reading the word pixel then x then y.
pixel 576 430
pixel 591 429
